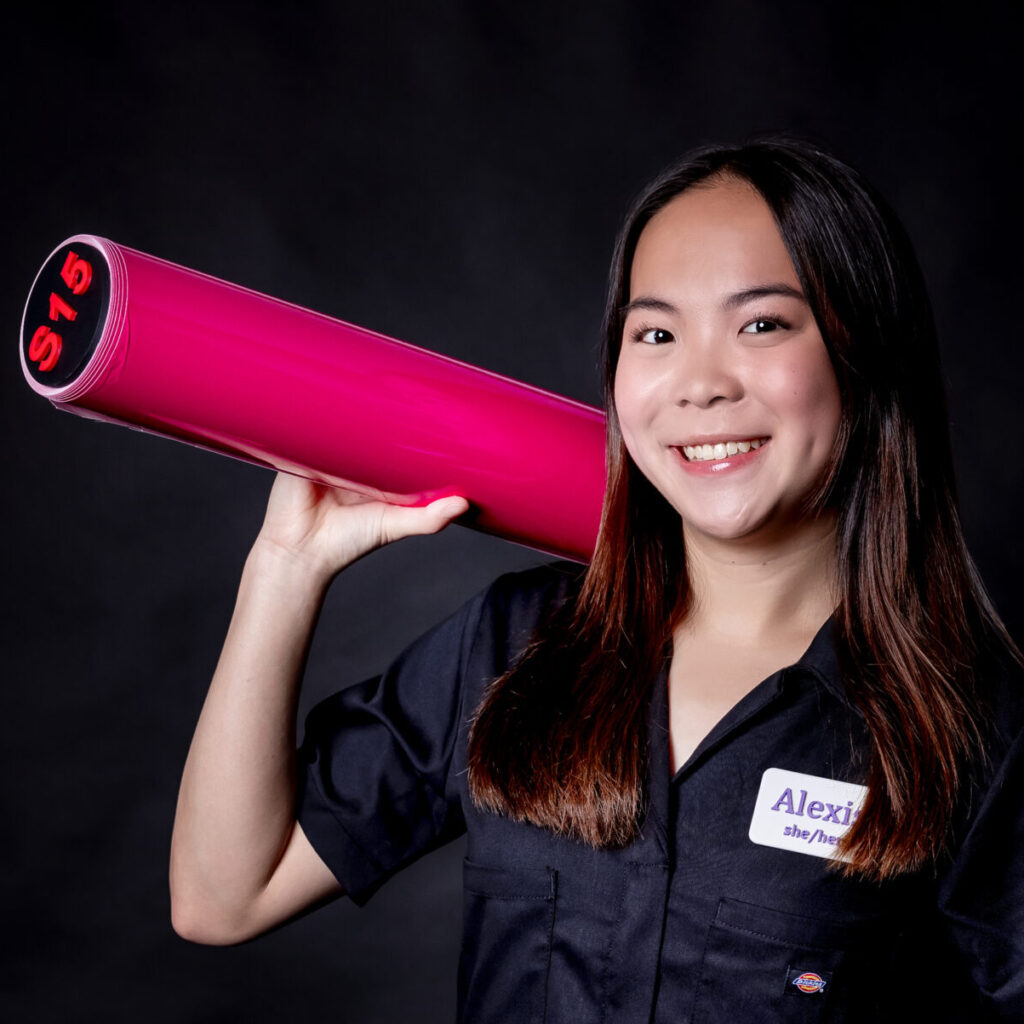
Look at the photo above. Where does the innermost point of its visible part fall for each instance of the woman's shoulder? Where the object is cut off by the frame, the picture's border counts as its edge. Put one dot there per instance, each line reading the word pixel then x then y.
pixel 517 603
pixel 548 583
pixel 992 799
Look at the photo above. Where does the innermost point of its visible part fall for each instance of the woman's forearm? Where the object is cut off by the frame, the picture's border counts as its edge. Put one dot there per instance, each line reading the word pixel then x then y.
pixel 236 810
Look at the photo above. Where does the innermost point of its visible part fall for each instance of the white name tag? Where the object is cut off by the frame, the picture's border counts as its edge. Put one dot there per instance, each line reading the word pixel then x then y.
pixel 804 813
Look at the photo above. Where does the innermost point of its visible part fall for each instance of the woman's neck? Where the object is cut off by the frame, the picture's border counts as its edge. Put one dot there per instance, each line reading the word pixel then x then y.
pixel 756 590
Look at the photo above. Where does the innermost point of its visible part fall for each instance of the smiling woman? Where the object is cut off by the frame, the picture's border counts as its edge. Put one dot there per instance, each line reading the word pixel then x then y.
pixel 720 348
pixel 806 607
pixel 729 406
pixel 764 755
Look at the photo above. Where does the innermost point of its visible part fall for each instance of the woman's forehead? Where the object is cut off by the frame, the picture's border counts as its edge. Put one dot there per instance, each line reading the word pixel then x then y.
pixel 719 236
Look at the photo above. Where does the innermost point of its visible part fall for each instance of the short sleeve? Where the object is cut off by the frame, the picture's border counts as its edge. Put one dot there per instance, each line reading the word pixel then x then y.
pixel 982 896
pixel 373 768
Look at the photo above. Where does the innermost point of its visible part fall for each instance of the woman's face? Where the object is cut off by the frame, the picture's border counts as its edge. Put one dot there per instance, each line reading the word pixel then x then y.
pixel 724 391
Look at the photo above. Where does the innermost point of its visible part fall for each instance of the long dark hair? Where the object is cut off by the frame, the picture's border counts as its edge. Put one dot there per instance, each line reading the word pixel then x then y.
pixel 561 739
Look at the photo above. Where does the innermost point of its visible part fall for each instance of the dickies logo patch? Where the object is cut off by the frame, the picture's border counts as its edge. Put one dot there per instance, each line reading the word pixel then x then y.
pixel 804 813
pixel 808 982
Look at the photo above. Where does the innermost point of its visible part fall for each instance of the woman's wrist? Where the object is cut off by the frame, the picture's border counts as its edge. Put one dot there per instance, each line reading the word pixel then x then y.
pixel 289 572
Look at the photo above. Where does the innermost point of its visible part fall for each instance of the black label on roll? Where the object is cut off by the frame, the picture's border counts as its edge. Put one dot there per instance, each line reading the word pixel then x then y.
pixel 65 314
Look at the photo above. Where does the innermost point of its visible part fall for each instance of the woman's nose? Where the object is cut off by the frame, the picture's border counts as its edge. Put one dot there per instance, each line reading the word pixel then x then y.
pixel 704 374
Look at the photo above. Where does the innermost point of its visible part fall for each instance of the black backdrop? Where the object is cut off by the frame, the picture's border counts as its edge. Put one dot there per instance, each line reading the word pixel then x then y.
pixel 450 173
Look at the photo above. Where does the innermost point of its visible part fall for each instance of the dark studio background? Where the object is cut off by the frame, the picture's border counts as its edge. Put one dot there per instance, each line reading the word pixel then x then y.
pixel 451 174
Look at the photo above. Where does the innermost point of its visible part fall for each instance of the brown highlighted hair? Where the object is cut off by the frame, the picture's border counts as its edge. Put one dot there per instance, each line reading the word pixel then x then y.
pixel 561 739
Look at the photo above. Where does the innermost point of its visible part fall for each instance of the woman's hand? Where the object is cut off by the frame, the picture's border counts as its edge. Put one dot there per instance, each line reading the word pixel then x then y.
pixel 326 528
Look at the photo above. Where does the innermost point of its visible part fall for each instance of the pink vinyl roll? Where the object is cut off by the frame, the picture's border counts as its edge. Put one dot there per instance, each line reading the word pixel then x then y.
pixel 118 335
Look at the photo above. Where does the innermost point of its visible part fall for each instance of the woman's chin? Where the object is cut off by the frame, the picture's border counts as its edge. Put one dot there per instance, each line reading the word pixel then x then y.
pixel 746 529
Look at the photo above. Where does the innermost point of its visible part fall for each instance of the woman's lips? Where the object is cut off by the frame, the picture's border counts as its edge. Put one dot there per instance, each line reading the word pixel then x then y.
pixel 720 455
pixel 718 450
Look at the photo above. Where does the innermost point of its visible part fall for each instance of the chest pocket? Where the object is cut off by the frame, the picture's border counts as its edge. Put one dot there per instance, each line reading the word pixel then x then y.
pixel 761 964
pixel 508 920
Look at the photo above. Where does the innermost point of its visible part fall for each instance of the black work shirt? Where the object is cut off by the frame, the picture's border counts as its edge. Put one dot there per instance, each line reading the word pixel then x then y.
pixel 695 922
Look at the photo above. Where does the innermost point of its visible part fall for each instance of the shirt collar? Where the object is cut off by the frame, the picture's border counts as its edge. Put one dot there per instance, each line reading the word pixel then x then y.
pixel 821 661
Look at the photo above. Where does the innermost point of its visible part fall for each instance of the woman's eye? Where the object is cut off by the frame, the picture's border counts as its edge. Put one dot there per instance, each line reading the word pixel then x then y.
pixel 760 327
pixel 655 336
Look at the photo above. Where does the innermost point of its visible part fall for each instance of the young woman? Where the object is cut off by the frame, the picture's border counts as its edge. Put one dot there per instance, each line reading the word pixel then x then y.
pixel 762 759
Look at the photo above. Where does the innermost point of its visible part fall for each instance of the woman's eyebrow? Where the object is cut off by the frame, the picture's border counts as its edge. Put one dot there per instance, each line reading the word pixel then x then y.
pixel 649 303
pixel 733 301
pixel 762 291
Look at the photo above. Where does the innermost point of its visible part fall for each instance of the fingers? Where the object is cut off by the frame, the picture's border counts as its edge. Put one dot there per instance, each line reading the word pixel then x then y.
pixel 325 528
pixel 444 510
pixel 400 521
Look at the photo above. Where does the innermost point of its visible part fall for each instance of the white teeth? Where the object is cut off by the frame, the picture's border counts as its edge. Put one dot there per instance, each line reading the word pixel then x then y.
pixel 707 452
